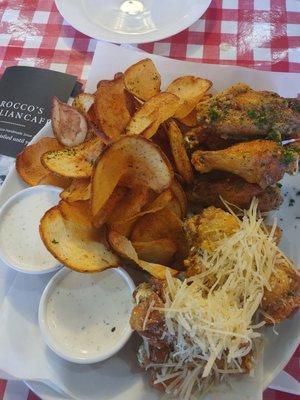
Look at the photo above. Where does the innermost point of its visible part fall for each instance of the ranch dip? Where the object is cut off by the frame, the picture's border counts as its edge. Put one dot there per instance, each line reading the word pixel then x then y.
pixel 20 241
pixel 87 314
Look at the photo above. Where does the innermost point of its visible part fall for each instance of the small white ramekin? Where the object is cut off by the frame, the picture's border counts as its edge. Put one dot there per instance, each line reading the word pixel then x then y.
pixel 57 346
pixel 6 206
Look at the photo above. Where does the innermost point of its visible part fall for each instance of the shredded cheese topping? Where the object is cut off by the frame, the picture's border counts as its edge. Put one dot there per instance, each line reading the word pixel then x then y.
pixel 209 317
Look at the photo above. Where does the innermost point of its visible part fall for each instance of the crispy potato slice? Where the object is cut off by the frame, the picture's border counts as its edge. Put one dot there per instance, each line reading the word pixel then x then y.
pixel 28 162
pixel 69 126
pixel 112 107
pixel 189 89
pixel 179 193
pixel 76 162
pixel 130 161
pixel 83 102
pixel 163 224
pixel 153 113
pixel 160 202
pixel 123 217
pixel 125 249
pixel 189 120
pixel 159 251
pixel 142 79
pixel 103 214
pixel 79 189
pixel 77 211
pixel 75 246
pixel 182 162
pixel 175 207
pixel 55 180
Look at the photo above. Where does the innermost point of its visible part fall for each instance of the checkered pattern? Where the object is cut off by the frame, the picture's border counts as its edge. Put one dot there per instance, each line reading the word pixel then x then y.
pixel 263 34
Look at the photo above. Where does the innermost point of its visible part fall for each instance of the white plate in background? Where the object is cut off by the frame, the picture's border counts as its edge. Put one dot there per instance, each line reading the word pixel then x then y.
pixel 140 21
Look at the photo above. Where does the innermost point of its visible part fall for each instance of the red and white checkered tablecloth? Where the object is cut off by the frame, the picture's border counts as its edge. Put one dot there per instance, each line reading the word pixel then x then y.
pixel 262 34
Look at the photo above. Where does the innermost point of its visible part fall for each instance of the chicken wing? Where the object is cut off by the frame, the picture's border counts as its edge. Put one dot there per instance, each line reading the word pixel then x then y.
pixel 241 112
pixel 205 230
pixel 284 297
pixel 259 161
pixel 235 190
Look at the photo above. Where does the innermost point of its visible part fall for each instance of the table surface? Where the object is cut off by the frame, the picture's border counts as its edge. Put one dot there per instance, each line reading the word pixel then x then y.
pixel 262 34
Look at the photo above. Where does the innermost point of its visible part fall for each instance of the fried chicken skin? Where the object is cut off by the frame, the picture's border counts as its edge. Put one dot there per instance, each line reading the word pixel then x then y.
pixel 259 161
pixel 243 113
pixel 284 297
pixel 234 190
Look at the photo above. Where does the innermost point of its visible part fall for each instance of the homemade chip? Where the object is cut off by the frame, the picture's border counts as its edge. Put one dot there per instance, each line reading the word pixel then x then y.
pixel 159 251
pixel 189 89
pixel 142 79
pixel 75 162
pixel 190 119
pixel 28 162
pixel 153 112
pixel 55 180
pixel 130 161
pixel 77 211
pixel 123 216
pixel 179 193
pixel 83 102
pixel 125 249
pixel 69 125
pixel 75 246
pixel 112 107
pixel 79 189
pixel 163 224
pixel 182 162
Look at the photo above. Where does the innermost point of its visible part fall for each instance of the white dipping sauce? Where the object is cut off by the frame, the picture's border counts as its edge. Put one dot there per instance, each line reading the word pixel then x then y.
pixel 20 240
pixel 87 314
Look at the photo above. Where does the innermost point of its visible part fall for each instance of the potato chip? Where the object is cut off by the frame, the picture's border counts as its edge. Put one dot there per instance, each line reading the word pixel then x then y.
pixel 83 102
pixel 175 207
pixel 179 193
pixel 125 249
pixel 77 211
pixel 28 162
pixel 75 162
pixel 159 251
pixel 79 189
pixel 69 126
pixel 182 162
pixel 103 214
pixel 142 79
pixel 76 246
pixel 130 161
pixel 153 113
pixel 55 180
pixel 163 224
pixel 189 89
pixel 122 219
pixel 112 107
pixel 190 119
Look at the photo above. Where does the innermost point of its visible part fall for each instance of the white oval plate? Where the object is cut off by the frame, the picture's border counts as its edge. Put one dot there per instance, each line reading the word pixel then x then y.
pixel 100 19
pixel 278 349
pixel 132 382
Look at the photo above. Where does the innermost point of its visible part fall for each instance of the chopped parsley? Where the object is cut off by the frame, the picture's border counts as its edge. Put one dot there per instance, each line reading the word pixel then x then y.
pixel 275 136
pixel 213 114
pixel 54 241
pixel 288 156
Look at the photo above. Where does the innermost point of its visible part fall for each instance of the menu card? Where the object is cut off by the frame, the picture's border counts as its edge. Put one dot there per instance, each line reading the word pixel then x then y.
pixel 25 103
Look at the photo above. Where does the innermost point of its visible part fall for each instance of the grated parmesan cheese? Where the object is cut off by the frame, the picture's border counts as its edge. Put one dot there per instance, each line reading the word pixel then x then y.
pixel 209 316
